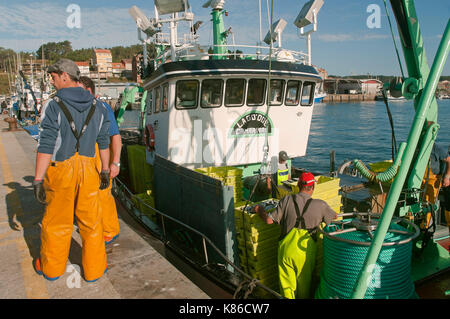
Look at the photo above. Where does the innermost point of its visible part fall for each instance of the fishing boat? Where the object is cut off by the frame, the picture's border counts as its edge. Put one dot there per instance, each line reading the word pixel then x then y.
pixel 212 122
pixel 319 96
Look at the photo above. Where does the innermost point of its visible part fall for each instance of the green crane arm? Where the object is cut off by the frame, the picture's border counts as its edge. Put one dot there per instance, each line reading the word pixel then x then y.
pixel 128 96
pixel 422 85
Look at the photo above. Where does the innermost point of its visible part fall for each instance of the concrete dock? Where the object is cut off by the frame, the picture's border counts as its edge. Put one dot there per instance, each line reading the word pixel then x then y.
pixel 135 268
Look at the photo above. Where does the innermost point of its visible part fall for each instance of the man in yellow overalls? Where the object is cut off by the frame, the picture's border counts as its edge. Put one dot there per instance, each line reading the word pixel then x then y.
pixel 299 216
pixel 66 179
pixel 108 207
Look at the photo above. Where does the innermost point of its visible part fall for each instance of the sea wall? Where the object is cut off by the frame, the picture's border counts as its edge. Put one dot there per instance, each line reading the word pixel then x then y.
pixel 348 97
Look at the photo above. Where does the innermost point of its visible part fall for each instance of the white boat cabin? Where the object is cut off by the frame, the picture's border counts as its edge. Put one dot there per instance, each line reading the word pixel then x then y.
pixel 214 113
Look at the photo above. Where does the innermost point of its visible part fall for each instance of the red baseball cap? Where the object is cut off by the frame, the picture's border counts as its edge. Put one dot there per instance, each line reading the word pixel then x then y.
pixel 306 179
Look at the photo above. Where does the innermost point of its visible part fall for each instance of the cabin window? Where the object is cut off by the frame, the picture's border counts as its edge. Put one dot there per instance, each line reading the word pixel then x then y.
pixel 307 94
pixel 293 93
pixel 234 92
pixel 256 91
pixel 165 97
pixel 186 94
pixel 157 99
pixel 276 92
pixel 212 91
pixel 148 102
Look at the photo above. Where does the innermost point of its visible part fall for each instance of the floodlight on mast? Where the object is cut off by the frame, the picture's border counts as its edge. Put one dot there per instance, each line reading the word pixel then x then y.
pixel 171 6
pixel 277 30
pixel 142 22
pixel 214 4
pixel 308 16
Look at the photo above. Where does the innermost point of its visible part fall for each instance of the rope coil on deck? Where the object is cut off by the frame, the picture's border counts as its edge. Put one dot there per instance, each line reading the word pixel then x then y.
pixel 342 262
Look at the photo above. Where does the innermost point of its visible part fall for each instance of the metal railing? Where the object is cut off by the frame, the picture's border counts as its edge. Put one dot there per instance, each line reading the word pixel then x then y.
pixel 261 52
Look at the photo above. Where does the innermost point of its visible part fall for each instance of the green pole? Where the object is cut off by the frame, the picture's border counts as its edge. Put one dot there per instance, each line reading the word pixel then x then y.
pixel 143 113
pixel 365 274
pixel 218 34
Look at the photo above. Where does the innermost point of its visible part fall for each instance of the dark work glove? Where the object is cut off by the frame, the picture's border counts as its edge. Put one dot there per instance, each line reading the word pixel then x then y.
pixel 104 179
pixel 39 192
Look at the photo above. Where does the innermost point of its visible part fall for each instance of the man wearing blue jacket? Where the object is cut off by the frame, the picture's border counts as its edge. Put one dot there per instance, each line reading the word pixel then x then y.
pixel 66 178
pixel 111 227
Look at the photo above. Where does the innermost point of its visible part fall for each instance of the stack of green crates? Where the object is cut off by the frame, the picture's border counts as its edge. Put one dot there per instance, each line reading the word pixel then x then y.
pixel 148 199
pixel 229 175
pixel 257 244
pixel 141 173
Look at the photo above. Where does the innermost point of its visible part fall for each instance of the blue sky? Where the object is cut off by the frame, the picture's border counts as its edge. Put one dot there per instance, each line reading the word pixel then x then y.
pixel 343 44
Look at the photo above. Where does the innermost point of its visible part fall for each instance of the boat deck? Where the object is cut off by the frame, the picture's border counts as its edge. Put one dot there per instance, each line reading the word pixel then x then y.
pixel 135 268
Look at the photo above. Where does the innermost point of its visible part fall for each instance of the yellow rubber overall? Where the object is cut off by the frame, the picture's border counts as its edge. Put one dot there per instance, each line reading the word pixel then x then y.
pixel 72 187
pixel 296 264
pixel 107 206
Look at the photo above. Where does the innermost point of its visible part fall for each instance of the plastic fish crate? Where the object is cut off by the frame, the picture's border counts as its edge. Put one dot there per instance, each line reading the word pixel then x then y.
pixel 256 235
pixel 141 173
pixel 325 185
pixel 267 272
pixel 149 200
pixel 261 263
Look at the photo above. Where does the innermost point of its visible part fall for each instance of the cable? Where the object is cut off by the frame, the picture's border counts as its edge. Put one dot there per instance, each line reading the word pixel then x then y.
pixel 393 39
pixel 391 122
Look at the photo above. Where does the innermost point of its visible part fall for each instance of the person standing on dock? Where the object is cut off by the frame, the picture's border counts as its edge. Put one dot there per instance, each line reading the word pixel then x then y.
pixel 107 203
pixel 298 249
pixel 66 178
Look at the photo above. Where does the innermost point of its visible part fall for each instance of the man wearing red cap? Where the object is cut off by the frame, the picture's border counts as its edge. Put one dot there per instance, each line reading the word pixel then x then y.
pixel 299 216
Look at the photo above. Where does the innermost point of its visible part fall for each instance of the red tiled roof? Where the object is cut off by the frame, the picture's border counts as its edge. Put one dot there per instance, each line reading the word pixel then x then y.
pixel 82 63
pixel 102 51
pixel 371 81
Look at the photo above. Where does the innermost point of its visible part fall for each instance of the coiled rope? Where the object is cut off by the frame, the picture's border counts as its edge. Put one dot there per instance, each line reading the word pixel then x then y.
pixel 342 261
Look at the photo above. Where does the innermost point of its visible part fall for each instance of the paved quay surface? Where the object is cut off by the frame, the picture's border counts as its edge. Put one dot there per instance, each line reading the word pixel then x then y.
pixel 135 269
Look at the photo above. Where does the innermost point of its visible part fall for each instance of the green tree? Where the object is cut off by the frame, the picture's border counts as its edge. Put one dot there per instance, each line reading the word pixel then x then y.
pixel 53 51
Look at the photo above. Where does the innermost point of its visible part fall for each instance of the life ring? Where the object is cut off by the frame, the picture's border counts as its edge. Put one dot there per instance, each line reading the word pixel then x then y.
pixel 149 137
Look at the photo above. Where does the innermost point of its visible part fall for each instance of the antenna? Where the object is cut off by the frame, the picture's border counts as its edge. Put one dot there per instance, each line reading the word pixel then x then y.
pixel 277 29
pixel 143 23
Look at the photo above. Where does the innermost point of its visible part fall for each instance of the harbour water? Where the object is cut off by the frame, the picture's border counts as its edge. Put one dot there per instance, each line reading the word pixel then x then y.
pixel 361 130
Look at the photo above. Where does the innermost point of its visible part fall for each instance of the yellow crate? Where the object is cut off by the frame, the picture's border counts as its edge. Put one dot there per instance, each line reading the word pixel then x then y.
pixel 148 199
pixel 335 201
pixel 259 262
pixel 284 191
pixel 325 184
pixel 220 171
pixel 267 246
pixel 254 226
pixel 264 273
pixel 256 235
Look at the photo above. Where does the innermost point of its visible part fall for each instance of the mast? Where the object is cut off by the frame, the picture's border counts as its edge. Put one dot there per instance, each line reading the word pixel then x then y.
pixel 219 35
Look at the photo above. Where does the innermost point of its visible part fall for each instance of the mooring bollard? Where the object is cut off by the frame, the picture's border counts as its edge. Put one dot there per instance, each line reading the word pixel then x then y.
pixel 12 123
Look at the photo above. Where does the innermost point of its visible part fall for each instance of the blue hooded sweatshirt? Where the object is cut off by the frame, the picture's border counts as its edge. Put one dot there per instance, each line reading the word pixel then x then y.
pixel 56 136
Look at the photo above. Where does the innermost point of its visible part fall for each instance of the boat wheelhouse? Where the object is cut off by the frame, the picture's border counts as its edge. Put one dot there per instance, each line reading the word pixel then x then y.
pixel 219 106
pixel 219 112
